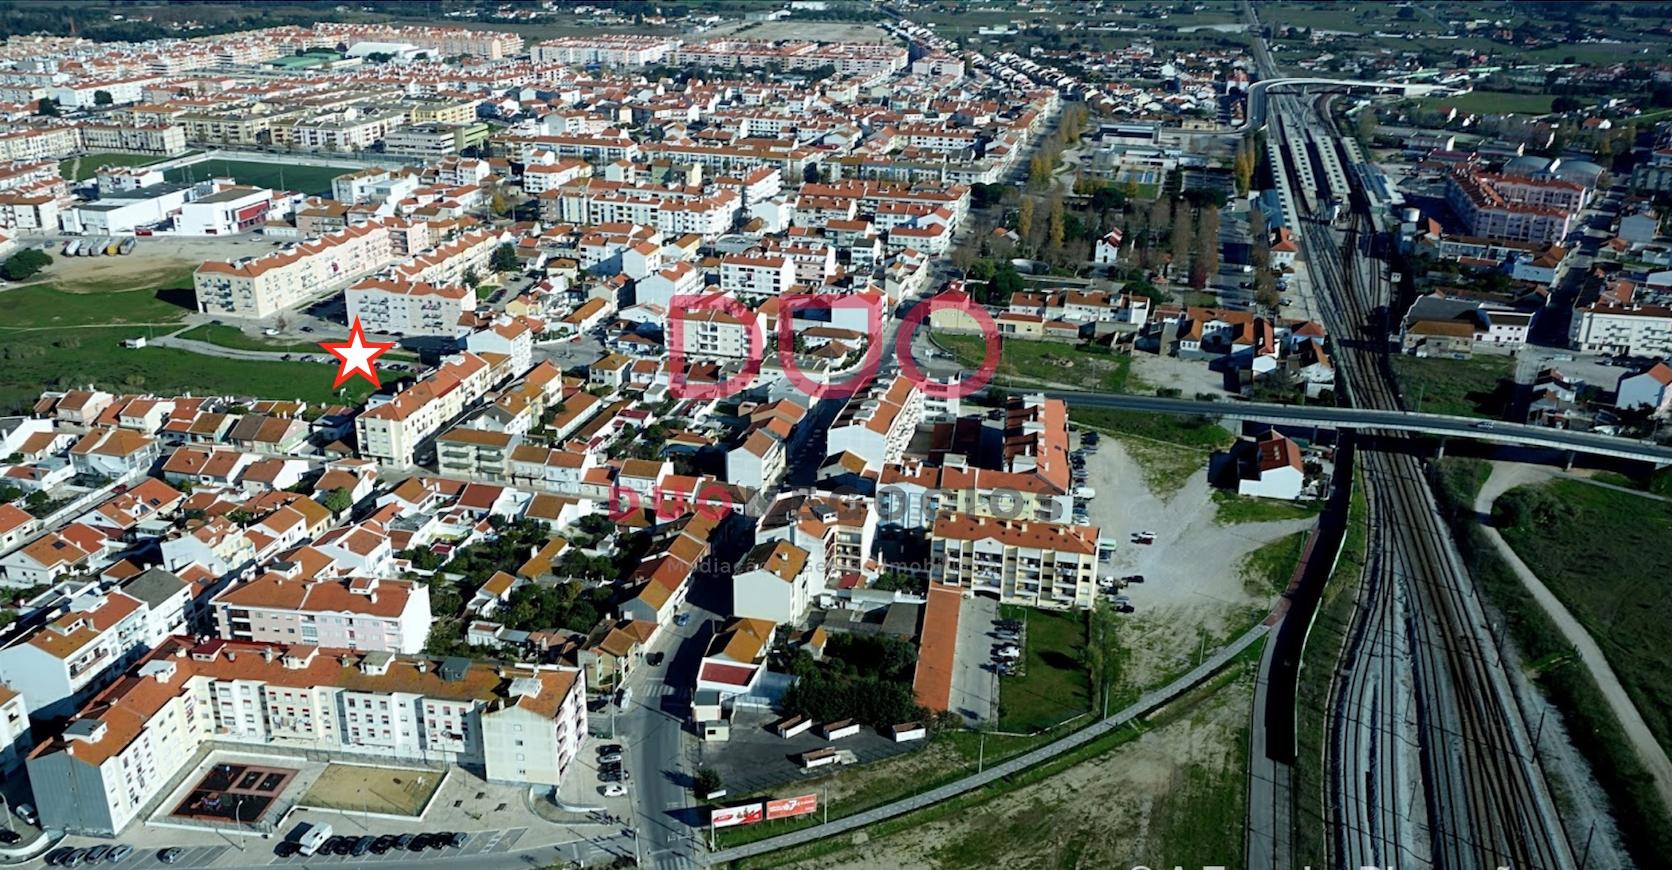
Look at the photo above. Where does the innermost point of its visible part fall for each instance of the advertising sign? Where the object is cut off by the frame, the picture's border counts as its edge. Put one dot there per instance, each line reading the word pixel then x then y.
pixel 785 808
pixel 747 814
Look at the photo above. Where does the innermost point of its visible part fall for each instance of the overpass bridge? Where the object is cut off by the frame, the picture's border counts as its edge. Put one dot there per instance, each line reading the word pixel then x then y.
pixel 1257 92
pixel 1330 417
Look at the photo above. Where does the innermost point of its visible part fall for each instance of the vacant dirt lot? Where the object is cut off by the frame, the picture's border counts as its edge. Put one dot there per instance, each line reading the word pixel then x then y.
pixel 1193 587
pixel 152 260
pixel 392 790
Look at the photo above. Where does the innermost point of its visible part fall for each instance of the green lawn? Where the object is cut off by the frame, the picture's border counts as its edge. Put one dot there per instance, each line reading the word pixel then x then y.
pixel 1604 553
pixel 1232 509
pixel 1053 361
pixel 159 298
pixel 278 174
pixel 1495 102
pixel 233 337
pixel 1267 570
pixel 1055 684
pixel 82 168
pixel 36 361
pixel 1474 387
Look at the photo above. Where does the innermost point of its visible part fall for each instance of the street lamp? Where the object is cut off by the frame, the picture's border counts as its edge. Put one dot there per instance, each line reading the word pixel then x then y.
pixel 237 810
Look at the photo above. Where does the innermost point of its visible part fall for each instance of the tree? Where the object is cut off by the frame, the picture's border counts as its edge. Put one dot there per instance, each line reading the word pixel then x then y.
pixel 505 259
pixel 1055 230
pixel 25 264
pixel 1205 261
pixel 1103 652
pixel 102 98
pixel 1243 167
pixel 1024 218
pixel 471 279
pixel 48 107
pixel 339 500
pixel 1182 237
pixel 708 781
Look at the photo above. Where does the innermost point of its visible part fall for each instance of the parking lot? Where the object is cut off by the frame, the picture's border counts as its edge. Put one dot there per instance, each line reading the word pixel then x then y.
pixel 756 759
pixel 480 843
pixel 975 685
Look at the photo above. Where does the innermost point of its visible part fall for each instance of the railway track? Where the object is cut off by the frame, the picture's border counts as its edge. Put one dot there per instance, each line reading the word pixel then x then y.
pixel 1429 761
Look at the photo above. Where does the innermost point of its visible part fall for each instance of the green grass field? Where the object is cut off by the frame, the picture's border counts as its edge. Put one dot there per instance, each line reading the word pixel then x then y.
pixel 1462 387
pixel 82 168
pixel 1495 102
pixel 54 339
pixel 1054 361
pixel 1603 553
pixel 1267 570
pixel 1055 685
pixel 233 337
pixel 278 175
pixel 1231 509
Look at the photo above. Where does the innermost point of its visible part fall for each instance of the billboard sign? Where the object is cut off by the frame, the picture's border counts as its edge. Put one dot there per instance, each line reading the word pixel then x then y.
pixel 727 817
pixel 786 808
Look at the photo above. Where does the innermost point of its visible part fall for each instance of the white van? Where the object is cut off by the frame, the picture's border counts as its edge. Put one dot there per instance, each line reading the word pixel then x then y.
pixel 310 837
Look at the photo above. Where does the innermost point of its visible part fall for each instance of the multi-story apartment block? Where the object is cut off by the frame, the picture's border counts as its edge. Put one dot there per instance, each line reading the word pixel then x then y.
pixel 712 334
pixel 264 285
pixel 409 308
pixel 57 665
pixel 393 430
pixel 450 262
pixel 1037 564
pixel 1639 330
pixel 520 725
pixel 838 533
pixel 358 613
pixel 468 453
pixel 877 425
pixel 760 276
pixel 624 49
pixel 434 141
pixel 350 130
pixel 168 140
pixel 1508 207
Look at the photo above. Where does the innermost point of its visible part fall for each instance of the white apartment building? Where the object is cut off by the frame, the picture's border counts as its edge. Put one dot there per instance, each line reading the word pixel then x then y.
pixel 264 285
pixel 451 261
pixel 515 725
pixel 15 736
pixel 391 432
pixel 877 425
pixel 711 334
pixel 397 307
pixel 1037 564
pixel 773 583
pixel 369 614
pixel 1639 330
pixel 57 665
pixel 756 275
pixel 604 50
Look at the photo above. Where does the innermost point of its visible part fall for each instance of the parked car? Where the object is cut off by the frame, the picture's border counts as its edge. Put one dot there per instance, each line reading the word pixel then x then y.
pixel 169 855
pixel 610 749
pixel 73 859
pixel 27 813
pixel 655 658
pixel 1132 578
pixel 404 841
pixel 56 856
pixel 95 854
pixel 285 849
pixel 418 843
pixel 441 840
pixel 382 844
pixel 612 758
pixel 681 619
pixel 459 839
pixel 614 789
pixel 118 853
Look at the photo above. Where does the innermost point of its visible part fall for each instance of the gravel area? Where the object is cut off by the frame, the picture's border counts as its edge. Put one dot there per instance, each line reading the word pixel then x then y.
pixel 1193 585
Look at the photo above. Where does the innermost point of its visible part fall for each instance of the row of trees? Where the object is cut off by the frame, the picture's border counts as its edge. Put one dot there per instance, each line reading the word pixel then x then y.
pixel 1178 235
pixel 1071 125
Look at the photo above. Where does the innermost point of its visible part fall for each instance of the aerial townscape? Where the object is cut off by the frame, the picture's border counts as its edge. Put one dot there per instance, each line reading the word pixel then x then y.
pixel 836 434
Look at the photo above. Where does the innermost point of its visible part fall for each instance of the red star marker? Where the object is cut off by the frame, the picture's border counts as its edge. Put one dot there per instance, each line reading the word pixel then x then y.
pixel 357 356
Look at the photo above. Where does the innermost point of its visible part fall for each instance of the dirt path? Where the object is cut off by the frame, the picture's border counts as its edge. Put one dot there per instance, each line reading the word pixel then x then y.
pixel 1506 476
